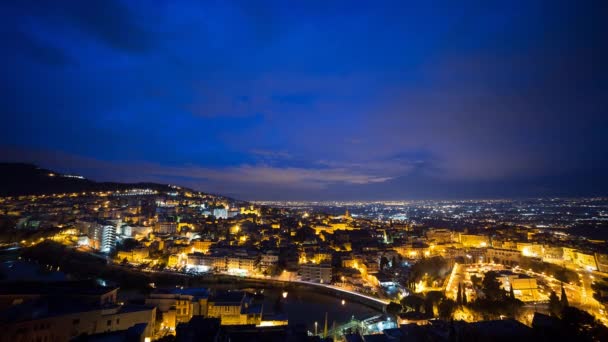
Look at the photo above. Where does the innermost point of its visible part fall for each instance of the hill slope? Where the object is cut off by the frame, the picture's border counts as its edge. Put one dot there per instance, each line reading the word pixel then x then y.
pixel 26 179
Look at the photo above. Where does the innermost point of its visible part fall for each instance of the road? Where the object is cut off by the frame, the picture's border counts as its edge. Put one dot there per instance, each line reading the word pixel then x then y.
pixel 580 294
pixel 362 297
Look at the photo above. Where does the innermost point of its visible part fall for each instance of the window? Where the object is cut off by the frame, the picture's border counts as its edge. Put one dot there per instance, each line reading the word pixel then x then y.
pixel 118 321
pixel 109 322
pixel 76 321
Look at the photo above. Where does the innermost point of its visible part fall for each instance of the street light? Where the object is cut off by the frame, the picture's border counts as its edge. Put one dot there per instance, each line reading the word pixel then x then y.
pixel 343 302
pixel 284 294
pixel 316 326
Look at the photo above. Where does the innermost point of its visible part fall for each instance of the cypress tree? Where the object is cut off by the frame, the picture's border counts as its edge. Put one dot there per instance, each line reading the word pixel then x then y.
pixel 459 295
pixel 564 299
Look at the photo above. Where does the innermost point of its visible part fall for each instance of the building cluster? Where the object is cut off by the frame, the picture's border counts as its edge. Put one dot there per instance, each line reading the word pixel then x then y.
pixel 66 310
pixel 62 311
pixel 369 252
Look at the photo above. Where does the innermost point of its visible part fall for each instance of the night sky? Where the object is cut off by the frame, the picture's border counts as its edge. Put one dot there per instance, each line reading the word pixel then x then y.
pixel 316 100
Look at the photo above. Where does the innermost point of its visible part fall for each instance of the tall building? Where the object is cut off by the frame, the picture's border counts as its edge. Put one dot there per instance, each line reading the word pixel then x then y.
pixel 102 236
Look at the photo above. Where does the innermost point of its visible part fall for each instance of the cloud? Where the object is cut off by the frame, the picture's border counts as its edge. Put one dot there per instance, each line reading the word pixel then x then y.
pixel 25 44
pixel 335 99
pixel 271 155
pixel 203 178
pixel 109 21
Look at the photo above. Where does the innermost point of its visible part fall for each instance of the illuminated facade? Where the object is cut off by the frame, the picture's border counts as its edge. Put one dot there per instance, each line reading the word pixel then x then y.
pixel 136 255
pixel 178 306
pixel 316 273
pixel 439 236
pixel 201 246
pixel 503 256
pixel 234 308
pixel 525 287
pixel 474 240
pixel 586 260
pixel 166 227
pixel 103 237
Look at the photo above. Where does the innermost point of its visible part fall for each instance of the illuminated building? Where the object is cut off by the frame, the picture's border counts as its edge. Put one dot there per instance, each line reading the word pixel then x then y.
pixel 525 287
pixel 530 249
pixel 178 305
pixel 474 240
pixel 126 230
pixel 166 227
pixel 234 308
pixel 439 236
pixel 250 211
pixel 182 225
pixel 414 251
pixel 206 262
pixel 322 257
pixel 602 262
pixel 503 256
pixel 60 311
pixel 316 273
pixel 569 254
pixel 173 260
pixel 268 260
pixel 553 253
pixel 240 264
pixel 586 260
pixel 55 321
pixel 330 228
pixel 102 237
pixel 201 246
pixel 220 213
pixel 136 255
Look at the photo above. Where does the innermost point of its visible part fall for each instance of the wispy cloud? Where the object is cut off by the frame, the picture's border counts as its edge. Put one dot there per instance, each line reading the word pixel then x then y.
pixel 273 155
pixel 204 178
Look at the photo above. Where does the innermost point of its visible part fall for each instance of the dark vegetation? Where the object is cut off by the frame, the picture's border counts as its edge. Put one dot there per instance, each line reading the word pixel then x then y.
pixel 18 179
pixel 430 270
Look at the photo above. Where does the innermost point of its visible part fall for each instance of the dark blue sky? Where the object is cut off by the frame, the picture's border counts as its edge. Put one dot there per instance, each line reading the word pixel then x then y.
pixel 312 99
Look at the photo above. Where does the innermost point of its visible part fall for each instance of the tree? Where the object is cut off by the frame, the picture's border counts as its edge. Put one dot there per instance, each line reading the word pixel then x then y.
pixel 564 299
pixel 491 287
pixel 464 297
pixel 554 304
pixel 393 308
pixel 433 298
pixel 412 302
pixel 581 325
pixel 434 268
pixel 459 295
pixel 395 262
pixel 278 305
pixel 511 291
pixel 476 281
pixel 303 234
pixel 446 308
pixel 383 262
pixel 428 307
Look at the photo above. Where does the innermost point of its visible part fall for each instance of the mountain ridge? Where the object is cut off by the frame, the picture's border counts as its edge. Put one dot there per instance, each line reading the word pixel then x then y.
pixel 21 179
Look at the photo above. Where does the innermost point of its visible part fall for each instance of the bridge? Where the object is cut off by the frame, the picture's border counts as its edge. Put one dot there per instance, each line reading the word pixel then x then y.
pixel 336 291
